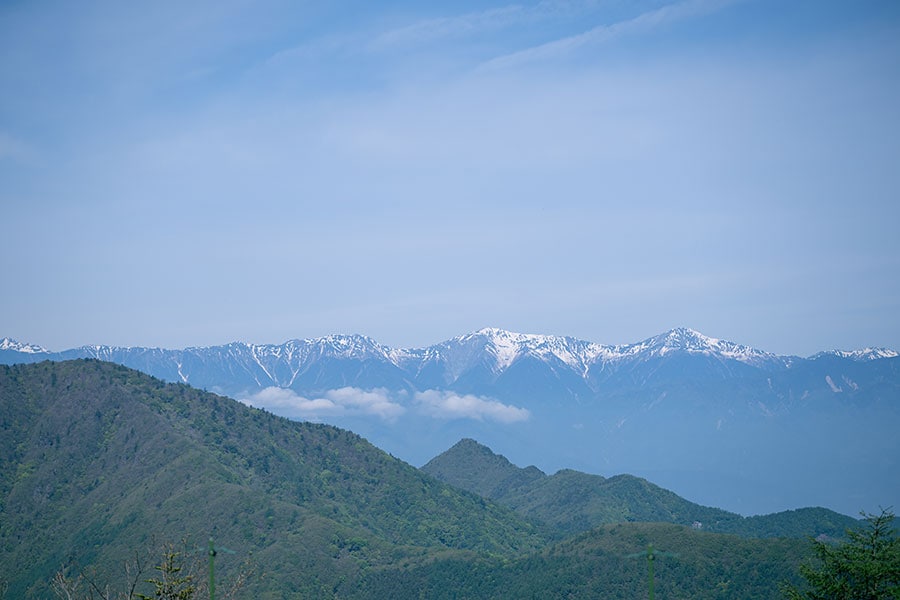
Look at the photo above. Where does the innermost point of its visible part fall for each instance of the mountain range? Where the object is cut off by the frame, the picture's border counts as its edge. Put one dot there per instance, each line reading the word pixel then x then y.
pixel 483 360
pixel 716 421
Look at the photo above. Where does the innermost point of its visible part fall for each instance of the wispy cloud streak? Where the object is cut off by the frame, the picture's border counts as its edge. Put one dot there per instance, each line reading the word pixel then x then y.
pixel 643 23
pixel 477 22
pixel 450 27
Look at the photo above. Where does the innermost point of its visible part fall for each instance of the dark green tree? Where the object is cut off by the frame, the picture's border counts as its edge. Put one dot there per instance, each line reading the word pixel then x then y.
pixel 864 567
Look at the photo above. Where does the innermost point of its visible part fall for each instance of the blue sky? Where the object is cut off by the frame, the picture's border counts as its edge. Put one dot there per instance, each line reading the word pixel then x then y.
pixel 176 174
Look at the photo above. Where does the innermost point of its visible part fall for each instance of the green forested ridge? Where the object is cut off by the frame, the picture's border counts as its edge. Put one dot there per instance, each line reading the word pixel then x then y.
pixel 100 462
pixel 571 502
pixel 610 562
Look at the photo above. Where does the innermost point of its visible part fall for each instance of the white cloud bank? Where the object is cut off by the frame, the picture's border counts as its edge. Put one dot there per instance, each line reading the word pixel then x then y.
pixel 450 405
pixel 339 402
pixel 351 401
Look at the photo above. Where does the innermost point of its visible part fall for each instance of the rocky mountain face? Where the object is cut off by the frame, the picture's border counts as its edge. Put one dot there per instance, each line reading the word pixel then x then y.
pixel 718 422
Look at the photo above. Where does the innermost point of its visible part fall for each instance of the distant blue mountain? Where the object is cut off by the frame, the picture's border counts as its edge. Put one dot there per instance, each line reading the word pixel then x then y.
pixel 718 422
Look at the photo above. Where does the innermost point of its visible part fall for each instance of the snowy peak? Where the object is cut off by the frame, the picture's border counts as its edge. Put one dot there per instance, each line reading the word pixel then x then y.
pixel 509 345
pixel 684 338
pixel 300 351
pixel 347 346
pixel 687 340
pixel 506 347
pixel 15 346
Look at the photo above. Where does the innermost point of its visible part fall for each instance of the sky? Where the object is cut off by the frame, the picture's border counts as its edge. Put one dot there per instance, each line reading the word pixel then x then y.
pixel 179 174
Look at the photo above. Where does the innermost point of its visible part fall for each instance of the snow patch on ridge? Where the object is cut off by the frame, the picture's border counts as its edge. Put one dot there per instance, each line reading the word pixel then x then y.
pixel 11 344
pixel 861 355
pixel 688 340
pixel 506 347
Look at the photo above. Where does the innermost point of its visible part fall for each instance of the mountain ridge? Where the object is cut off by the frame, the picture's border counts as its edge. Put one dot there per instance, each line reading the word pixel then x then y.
pixel 573 502
pixel 678 338
pixel 491 352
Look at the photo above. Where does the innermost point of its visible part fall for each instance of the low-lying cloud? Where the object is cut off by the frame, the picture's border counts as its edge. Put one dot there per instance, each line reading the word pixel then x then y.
pixel 332 403
pixel 384 404
pixel 450 405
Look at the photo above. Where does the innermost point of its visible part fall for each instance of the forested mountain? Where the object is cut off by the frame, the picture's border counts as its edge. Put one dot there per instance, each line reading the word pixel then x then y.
pixel 97 461
pixel 572 502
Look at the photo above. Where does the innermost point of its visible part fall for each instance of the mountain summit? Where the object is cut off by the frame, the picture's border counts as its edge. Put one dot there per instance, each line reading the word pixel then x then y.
pixel 11 345
pixel 572 502
pixel 688 340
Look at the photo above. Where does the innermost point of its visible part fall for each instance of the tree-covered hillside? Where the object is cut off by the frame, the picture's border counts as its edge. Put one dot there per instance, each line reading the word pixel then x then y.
pixel 610 562
pixel 571 502
pixel 98 461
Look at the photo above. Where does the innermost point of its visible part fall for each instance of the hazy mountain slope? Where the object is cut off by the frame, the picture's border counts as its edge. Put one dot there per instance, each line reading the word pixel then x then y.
pixel 474 467
pixel 571 502
pixel 98 460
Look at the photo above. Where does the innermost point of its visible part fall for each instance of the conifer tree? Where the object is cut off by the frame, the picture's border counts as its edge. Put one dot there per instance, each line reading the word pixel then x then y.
pixel 865 567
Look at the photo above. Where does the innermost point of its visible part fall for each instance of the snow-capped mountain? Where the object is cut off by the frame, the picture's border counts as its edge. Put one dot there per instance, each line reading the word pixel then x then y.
pixel 240 368
pixel 861 355
pixel 11 345
pixel 693 342
pixel 490 361
pixel 494 351
pixel 503 348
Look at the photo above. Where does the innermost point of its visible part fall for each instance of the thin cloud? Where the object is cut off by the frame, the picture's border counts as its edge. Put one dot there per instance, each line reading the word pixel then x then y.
pixel 338 402
pixel 376 402
pixel 381 403
pixel 314 50
pixel 450 405
pixel 450 27
pixel 642 23
pixel 474 23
